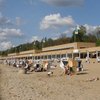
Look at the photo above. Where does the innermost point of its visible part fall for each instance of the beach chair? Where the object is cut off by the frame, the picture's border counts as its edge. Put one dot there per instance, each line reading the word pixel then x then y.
pixel 79 66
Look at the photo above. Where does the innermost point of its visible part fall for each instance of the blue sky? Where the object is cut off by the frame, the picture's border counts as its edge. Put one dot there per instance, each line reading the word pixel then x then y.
pixel 24 21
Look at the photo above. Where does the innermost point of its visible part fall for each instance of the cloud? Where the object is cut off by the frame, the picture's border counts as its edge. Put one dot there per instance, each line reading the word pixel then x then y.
pixel 5 25
pixel 63 3
pixel 7 35
pixel 4 21
pixel 90 29
pixel 10 32
pixel 3 38
pixel 5 45
pixel 55 20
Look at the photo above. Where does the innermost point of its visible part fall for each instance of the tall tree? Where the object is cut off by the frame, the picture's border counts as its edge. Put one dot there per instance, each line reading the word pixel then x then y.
pixel 92 38
pixel 78 34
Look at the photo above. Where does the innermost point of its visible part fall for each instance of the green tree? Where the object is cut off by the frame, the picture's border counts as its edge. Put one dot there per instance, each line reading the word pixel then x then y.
pixel 78 34
pixel 92 38
pixel 98 42
pixel 37 45
pixel 97 32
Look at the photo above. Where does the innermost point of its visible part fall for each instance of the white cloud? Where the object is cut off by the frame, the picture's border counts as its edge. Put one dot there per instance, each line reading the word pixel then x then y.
pixel 6 22
pixel 10 32
pixel 6 35
pixel 90 28
pixel 5 45
pixel 64 2
pixel 55 20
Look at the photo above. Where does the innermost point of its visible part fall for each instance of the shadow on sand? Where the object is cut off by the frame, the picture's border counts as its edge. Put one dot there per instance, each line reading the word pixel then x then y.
pixel 82 73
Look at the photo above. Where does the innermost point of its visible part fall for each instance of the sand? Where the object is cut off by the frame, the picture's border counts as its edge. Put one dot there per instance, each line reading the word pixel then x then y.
pixel 38 86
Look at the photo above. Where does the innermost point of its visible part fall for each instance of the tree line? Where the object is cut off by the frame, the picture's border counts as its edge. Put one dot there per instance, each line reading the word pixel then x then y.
pixel 78 35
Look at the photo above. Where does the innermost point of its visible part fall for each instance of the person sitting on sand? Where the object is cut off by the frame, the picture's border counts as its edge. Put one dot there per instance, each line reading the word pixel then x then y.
pixel 70 68
pixel 45 67
pixel 27 67
pixel 93 79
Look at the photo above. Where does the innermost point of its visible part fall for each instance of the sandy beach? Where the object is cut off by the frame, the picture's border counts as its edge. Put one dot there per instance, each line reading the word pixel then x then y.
pixel 38 86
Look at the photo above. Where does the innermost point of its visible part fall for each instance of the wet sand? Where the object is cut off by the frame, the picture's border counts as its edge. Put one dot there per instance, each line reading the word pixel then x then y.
pixel 38 86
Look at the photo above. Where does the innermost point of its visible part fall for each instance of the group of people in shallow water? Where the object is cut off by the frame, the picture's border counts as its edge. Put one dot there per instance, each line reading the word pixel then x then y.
pixel 70 66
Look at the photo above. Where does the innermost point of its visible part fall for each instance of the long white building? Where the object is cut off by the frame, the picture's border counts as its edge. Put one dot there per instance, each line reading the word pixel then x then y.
pixel 77 49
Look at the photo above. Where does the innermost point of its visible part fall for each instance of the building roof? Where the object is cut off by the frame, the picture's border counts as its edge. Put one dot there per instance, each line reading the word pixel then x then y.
pixel 75 45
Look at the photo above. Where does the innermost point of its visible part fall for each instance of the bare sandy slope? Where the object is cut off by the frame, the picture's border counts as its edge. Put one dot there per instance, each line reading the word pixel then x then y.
pixel 38 86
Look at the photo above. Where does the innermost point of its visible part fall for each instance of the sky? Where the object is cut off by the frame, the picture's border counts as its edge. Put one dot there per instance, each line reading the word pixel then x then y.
pixel 23 21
